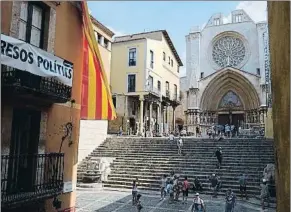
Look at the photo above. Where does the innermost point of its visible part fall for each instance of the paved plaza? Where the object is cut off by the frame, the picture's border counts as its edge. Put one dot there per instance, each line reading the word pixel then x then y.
pixel 115 201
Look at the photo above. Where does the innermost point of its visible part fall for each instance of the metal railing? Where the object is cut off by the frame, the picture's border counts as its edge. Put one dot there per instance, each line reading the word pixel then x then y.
pixel 168 93
pixel 154 90
pixel 50 87
pixel 30 177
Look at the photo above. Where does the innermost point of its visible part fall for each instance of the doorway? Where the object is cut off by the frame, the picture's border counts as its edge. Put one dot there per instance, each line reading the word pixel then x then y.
pixel 23 150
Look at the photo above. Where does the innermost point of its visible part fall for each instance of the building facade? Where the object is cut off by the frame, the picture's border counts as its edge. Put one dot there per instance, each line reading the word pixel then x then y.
pixel 41 56
pixel 227 73
pixel 145 83
pixel 94 132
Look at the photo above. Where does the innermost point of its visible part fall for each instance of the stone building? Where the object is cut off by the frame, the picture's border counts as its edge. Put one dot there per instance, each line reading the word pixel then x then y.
pixel 145 82
pixel 227 73
pixel 94 132
pixel 41 65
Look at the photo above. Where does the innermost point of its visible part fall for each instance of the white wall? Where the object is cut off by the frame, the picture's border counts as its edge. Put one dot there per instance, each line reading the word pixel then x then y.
pixel 92 134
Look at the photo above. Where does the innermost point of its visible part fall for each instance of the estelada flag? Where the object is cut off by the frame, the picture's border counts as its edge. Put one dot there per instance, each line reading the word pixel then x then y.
pixel 96 103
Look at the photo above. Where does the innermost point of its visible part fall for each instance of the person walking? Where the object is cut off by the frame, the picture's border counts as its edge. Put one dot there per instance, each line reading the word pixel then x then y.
pixel 198 204
pixel 163 187
pixel 185 189
pixel 197 131
pixel 138 204
pixel 230 201
pixel 218 154
pixel 243 186
pixel 171 138
pixel 214 184
pixel 170 191
pixel 180 145
pixel 265 194
pixel 134 192
pixel 227 130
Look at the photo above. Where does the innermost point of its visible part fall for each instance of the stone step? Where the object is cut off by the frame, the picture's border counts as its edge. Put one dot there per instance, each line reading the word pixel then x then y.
pixel 185 144
pixel 175 155
pixel 203 178
pixel 166 171
pixel 156 187
pixel 223 169
pixel 166 160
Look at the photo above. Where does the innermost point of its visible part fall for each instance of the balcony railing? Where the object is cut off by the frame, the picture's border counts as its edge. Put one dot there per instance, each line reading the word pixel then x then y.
pixel 26 178
pixel 168 93
pixel 154 90
pixel 175 97
pixel 23 82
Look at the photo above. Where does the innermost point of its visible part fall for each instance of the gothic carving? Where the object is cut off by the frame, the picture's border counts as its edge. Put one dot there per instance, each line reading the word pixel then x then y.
pixel 228 51
pixel 230 100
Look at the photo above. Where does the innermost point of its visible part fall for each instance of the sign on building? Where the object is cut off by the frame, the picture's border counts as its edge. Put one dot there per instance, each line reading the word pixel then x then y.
pixel 23 56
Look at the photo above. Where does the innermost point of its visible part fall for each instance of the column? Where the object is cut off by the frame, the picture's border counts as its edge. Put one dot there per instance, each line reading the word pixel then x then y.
pixel 150 118
pixel 174 121
pixel 141 115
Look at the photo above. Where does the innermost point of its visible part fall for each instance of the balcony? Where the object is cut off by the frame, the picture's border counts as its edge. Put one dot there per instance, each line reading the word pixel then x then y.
pixel 175 97
pixel 25 84
pixel 168 94
pixel 26 178
pixel 154 91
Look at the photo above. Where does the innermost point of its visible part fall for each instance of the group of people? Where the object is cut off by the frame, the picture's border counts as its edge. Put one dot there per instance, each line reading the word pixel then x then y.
pixel 220 130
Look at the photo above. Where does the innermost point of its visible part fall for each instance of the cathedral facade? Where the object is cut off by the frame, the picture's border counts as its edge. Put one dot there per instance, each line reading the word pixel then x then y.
pixel 227 73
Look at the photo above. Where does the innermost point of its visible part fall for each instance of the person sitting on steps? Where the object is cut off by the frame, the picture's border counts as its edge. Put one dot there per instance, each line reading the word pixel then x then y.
pixel 197 184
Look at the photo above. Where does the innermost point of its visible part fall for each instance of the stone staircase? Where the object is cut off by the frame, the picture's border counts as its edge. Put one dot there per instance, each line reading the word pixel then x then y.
pixel 149 158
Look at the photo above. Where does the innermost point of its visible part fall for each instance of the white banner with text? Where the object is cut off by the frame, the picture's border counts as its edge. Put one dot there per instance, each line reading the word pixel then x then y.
pixel 23 56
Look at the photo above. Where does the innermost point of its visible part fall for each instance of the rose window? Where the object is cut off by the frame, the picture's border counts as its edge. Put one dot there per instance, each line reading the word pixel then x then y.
pixel 228 51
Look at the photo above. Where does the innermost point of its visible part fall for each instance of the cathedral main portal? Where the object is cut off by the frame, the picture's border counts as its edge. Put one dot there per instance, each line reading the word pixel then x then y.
pixel 229 98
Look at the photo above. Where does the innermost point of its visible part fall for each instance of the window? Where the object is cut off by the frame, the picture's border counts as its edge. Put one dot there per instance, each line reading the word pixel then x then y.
pixel 167 88
pixel 167 85
pixel 96 35
pixel 132 57
pixel 237 18
pixel 201 75
pixel 164 56
pixel 99 39
pixel 258 71
pixel 114 101
pixel 169 60
pixel 152 59
pixel 216 21
pixel 131 83
pixel 175 92
pixel 31 24
pixel 159 85
pixel 178 68
pixel 172 63
pixel 106 43
pixel 151 82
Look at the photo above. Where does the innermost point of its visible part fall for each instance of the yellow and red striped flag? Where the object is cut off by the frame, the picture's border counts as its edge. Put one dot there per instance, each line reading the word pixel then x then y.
pixel 96 103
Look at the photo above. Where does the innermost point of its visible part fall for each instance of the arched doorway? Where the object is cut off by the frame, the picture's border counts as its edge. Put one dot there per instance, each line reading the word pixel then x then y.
pixel 229 98
pixel 179 123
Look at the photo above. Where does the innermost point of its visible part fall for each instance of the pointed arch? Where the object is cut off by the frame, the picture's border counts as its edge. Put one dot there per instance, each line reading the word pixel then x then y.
pixel 229 79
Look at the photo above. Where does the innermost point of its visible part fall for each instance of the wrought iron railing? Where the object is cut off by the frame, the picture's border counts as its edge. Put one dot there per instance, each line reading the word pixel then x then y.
pixel 30 177
pixel 49 87
pixel 168 93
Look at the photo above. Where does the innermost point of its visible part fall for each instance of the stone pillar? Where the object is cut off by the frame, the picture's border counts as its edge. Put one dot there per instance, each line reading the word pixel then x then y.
pixel 159 112
pixel 141 127
pixel 150 118
pixel 174 121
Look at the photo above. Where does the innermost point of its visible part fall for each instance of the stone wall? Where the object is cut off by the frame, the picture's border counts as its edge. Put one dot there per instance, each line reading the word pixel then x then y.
pixel 92 134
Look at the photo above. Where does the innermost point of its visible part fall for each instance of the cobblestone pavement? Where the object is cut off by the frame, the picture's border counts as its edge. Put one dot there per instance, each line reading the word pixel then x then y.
pixel 114 201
